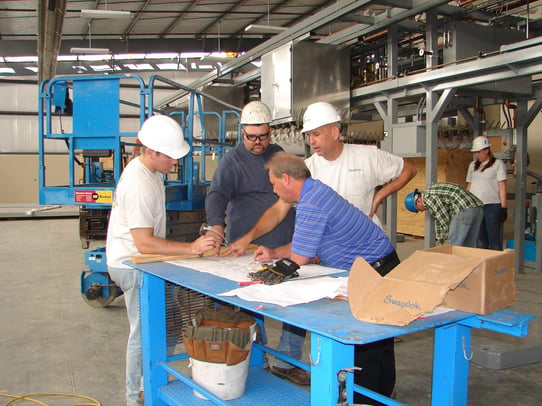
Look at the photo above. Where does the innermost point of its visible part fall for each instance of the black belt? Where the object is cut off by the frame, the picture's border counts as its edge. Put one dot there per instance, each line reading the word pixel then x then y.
pixel 383 262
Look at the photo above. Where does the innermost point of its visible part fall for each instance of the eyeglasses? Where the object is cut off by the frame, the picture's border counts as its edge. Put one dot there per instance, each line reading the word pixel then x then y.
pixel 261 137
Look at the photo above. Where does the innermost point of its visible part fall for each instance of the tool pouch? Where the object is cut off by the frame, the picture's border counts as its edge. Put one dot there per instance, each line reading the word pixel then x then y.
pixel 220 335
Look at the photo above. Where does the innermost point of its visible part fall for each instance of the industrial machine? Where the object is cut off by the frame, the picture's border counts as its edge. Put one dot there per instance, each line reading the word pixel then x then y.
pixel 96 119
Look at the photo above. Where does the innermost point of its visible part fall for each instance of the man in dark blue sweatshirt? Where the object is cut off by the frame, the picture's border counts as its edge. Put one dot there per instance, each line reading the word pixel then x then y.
pixel 240 193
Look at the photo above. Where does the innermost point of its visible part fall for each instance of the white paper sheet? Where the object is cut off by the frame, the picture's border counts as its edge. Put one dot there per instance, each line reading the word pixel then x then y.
pixel 237 269
pixel 438 310
pixel 293 291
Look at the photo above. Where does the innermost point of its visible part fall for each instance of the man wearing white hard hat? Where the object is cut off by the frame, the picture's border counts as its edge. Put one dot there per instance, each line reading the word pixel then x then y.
pixel 486 179
pixel 137 225
pixel 240 193
pixel 354 171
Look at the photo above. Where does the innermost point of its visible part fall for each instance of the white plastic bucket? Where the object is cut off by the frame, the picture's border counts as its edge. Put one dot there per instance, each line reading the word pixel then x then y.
pixel 227 382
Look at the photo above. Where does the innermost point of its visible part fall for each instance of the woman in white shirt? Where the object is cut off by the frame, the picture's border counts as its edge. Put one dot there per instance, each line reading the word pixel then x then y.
pixel 486 179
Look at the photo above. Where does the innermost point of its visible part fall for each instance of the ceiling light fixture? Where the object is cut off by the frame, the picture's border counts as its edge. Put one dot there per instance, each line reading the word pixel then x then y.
pixel 109 14
pixel 265 29
pixel 91 51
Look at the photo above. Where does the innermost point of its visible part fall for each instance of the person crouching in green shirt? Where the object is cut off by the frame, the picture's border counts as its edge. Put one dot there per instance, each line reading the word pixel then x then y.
pixel 457 212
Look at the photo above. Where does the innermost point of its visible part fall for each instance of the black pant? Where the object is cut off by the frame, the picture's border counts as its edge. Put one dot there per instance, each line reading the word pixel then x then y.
pixel 377 359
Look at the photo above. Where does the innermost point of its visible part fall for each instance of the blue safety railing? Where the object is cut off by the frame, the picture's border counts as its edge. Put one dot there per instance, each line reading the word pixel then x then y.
pixel 90 126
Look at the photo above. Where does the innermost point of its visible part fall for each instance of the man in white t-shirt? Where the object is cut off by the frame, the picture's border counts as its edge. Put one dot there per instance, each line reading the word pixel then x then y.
pixel 137 225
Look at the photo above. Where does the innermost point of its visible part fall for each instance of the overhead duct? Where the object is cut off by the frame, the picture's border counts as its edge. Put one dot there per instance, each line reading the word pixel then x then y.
pixel 463 41
pixel 300 73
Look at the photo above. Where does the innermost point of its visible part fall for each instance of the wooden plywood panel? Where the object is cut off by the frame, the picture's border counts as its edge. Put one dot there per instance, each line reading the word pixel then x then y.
pixel 452 167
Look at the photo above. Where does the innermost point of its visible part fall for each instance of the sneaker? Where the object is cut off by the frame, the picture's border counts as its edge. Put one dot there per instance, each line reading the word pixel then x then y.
pixel 295 374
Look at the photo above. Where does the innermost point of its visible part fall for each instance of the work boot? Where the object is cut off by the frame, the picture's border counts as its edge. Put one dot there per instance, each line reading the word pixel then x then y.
pixel 295 374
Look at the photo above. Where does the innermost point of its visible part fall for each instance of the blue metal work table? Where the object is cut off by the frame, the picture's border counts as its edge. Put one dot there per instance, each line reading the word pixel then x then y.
pixel 333 330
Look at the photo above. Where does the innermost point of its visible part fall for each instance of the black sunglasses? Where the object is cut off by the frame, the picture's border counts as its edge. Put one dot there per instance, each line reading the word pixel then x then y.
pixel 261 137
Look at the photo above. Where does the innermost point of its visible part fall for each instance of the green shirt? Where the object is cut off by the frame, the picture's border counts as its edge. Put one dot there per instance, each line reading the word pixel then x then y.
pixel 443 201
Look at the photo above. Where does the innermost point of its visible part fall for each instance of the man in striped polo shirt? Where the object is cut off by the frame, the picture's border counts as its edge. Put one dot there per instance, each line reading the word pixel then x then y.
pixel 332 231
pixel 457 212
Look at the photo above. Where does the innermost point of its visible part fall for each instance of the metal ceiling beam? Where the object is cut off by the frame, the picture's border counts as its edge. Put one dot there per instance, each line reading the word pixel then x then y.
pixel 165 45
pixel 135 19
pixel 30 47
pixel 314 10
pixel 271 10
pixel 397 3
pixel 178 18
pixel 323 17
pixel 514 64
pixel 50 21
pixel 217 20
pixel 331 13
pixel 381 22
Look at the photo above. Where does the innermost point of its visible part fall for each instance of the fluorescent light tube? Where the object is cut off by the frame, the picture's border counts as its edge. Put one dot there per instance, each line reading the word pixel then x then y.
pixel 105 14
pixel 274 29
pixel 89 50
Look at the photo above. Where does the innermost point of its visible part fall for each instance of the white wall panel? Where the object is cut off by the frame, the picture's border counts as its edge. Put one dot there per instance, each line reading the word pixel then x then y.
pixel 19 133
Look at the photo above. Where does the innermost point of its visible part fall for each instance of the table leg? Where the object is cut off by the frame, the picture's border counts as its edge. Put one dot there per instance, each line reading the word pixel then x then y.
pixel 327 358
pixel 154 346
pixel 451 365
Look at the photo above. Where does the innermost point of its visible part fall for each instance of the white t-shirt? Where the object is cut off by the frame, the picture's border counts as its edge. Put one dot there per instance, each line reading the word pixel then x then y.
pixel 138 202
pixel 485 184
pixel 356 173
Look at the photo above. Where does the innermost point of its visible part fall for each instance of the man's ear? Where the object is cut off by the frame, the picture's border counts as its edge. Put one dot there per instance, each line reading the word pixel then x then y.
pixel 285 178
pixel 336 131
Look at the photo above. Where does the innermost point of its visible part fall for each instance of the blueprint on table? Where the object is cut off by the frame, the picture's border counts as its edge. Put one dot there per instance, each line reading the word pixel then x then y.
pixel 237 269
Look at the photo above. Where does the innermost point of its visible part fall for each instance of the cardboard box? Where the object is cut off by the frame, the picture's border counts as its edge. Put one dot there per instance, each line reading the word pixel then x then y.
pixel 468 279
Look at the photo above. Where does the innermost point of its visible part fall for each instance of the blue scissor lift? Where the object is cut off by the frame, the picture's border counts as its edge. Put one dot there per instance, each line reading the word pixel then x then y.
pixel 99 145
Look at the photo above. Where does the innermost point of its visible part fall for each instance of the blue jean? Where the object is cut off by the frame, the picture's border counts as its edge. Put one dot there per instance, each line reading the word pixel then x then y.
pixel 290 344
pixel 465 227
pixel 491 229
pixel 129 281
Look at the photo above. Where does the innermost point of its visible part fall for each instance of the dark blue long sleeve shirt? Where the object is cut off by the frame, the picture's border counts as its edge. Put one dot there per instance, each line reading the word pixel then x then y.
pixel 240 193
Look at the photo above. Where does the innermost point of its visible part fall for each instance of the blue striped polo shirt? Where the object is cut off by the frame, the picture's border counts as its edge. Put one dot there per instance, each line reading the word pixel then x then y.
pixel 328 226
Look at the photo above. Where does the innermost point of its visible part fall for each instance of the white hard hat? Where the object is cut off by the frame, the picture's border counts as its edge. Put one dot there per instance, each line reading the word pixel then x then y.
pixel 479 143
pixel 256 113
pixel 319 114
pixel 163 134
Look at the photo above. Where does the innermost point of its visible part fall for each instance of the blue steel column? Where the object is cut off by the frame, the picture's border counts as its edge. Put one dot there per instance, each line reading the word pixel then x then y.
pixel 153 336
pixel 43 99
pixel 451 365
pixel 327 358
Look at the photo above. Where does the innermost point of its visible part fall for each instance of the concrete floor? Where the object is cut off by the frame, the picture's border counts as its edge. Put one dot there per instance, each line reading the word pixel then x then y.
pixel 52 341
